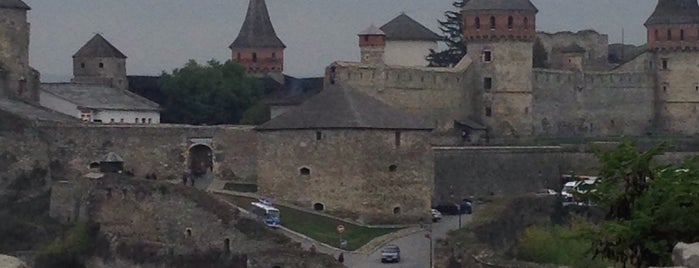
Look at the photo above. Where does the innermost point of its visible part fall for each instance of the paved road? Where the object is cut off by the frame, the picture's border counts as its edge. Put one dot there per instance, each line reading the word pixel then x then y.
pixel 415 248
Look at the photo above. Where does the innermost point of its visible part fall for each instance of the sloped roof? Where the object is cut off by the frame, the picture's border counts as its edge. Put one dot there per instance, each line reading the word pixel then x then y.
pixel 257 30
pixel 342 107
pixel 112 157
pixel 573 48
pixel 100 97
pixel 506 5
pixel 18 4
pixel 98 47
pixel 675 12
pixel 404 27
pixel 372 30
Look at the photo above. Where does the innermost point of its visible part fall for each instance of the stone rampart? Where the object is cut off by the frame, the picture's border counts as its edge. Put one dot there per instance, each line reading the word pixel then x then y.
pixel 596 46
pixel 593 104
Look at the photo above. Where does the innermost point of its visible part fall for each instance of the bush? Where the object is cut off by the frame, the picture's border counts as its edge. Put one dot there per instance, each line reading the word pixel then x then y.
pixel 562 245
pixel 68 251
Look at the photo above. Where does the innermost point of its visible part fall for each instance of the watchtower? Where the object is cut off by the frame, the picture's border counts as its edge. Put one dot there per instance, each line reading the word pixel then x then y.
pixel 17 79
pixel 99 62
pixel 500 37
pixel 257 46
pixel 372 43
pixel 673 41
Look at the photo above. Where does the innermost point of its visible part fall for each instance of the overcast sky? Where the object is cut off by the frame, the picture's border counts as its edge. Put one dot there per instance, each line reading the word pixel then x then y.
pixel 160 35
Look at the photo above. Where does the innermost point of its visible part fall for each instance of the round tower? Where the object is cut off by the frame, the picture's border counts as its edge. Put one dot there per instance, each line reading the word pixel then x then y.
pixel 16 77
pixel 372 43
pixel 673 41
pixel 99 62
pixel 500 37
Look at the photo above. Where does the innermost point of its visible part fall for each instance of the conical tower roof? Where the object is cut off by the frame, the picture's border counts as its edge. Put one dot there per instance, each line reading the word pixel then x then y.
pixel 98 47
pixel 17 4
pixel 257 30
pixel 404 27
pixel 675 12
pixel 342 107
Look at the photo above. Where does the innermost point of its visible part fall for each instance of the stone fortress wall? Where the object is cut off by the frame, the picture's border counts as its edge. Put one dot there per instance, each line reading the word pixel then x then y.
pixel 596 46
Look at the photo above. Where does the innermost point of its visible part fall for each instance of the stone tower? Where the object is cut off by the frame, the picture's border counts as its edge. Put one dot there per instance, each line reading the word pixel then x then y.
pixel 17 79
pixel 500 36
pixel 372 43
pixel 673 40
pixel 99 62
pixel 257 47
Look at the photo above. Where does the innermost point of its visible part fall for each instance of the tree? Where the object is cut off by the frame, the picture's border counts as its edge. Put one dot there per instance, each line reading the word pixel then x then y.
pixel 208 94
pixel 453 34
pixel 541 56
pixel 649 207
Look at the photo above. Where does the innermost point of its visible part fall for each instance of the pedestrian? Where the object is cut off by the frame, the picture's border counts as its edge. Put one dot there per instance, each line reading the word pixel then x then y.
pixel 341 258
pixel 313 249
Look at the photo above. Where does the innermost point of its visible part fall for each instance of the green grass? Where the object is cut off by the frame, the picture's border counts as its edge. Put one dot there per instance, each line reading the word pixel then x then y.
pixel 322 229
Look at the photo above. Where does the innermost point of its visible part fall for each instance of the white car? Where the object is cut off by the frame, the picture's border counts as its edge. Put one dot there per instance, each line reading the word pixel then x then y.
pixel 577 187
pixel 436 215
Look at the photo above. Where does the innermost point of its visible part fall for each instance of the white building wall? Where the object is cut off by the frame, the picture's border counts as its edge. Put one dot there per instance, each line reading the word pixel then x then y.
pixel 408 53
pixel 126 117
pixel 58 104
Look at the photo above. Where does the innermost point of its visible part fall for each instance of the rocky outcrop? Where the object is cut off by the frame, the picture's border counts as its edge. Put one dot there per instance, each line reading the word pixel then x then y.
pixel 686 255
pixel 11 262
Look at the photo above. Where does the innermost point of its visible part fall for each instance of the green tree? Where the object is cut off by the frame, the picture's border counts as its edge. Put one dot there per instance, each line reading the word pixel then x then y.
pixel 208 94
pixel 649 207
pixel 453 34
pixel 541 56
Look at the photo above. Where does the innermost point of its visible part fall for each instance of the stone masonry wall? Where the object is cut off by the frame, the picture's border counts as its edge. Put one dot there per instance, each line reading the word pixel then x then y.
pixel 596 46
pixel 593 104
pixel 21 80
pixel 678 92
pixel 163 150
pixel 349 172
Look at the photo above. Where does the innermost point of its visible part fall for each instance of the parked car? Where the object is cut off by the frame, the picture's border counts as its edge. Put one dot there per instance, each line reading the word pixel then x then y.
pixel 436 215
pixel 573 189
pixel 466 206
pixel 390 253
pixel 449 208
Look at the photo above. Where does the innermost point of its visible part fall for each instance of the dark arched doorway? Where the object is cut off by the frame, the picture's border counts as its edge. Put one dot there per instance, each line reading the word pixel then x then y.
pixel 200 160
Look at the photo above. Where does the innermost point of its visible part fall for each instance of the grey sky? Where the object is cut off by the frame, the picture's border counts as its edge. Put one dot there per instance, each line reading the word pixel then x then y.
pixel 160 35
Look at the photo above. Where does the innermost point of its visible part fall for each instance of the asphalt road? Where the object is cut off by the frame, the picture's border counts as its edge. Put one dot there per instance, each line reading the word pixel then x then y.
pixel 415 248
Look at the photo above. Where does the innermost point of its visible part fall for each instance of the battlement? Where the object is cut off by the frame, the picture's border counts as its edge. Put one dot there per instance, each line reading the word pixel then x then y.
pixel 397 77
pixel 544 78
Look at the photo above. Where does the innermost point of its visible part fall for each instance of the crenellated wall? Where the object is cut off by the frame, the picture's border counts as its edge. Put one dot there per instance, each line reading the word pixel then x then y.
pixel 573 104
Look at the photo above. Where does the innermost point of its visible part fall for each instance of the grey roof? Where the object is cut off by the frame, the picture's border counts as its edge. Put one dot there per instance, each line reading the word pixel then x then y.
pixel 406 28
pixel 17 4
pixel 33 112
pixel 573 48
pixel 372 30
pixel 98 47
pixel 100 97
pixel 675 12
pixel 507 5
pixel 342 107
pixel 257 30
pixel 112 157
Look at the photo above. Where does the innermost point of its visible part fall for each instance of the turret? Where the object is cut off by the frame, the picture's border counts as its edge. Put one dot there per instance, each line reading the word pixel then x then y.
pixel 571 57
pixel 674 25
pixel 257 46
pixel 17 79
pixel 500 37
pixel 372 43
pixel 99 62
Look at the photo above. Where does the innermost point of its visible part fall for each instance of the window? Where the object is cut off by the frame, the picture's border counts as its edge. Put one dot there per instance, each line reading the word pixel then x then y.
pixel 682 35
pixel 143 120
pixel 366 38
pixel 526 110
pixel 121 120
pixel 397 141
pixel 111 120
pixel 254 57
pixel 487 84
pixel 510 22
pixel 478 23
pixel 392 168
pixel 238 56
pixel 188 232
pixel 492 23
pixel 664 65
pixel 135 120
pixel 82 65
pixel 150 120
pixel 101 65
pixel 274 55
pixel 657 36
pixel 487 56
pixel 669 35
pixel 305 171
pixel 488 111
pixel 526 23
pixel 319 135
pixel 396 210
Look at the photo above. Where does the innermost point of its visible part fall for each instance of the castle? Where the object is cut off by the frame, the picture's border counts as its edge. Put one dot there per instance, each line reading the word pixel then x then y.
pixel 495 93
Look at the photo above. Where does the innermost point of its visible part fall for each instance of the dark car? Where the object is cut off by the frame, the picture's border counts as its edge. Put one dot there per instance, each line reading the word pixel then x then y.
pixel 449 208
pixel 390 253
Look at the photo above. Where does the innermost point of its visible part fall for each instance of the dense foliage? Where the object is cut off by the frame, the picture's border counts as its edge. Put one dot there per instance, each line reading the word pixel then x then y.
pixel 209 94
pixel 649 207
pixel 453 35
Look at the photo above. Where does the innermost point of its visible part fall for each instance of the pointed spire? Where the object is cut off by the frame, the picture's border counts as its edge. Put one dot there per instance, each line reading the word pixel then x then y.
pixel 257 30
pixel 98 47
pixel 16 4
